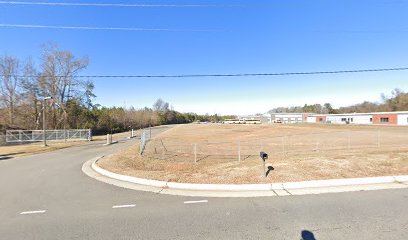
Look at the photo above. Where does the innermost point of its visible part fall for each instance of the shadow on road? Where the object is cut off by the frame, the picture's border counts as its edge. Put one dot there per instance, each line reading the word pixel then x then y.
pixel 307 235
pixel 9 155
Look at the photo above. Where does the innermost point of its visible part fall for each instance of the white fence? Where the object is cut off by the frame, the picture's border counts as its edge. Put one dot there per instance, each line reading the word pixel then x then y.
pixel 25 136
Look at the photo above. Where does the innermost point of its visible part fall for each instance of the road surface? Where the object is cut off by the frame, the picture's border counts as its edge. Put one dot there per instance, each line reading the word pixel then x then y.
pixel 47 196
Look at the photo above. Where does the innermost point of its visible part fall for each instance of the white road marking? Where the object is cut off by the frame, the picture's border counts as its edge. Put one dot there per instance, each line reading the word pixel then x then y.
pixel 200 201
pixel 33 212
pixel 124 206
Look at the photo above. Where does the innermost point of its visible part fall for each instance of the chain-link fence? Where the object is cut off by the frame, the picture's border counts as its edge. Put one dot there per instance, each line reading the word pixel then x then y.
pixel 145 136
pixel 240 150
pixel 26 136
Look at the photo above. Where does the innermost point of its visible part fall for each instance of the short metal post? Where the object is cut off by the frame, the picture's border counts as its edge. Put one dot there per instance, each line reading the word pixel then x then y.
pixel 150 132
pixel 107 139
pixel 239 151
pixel 195 152
pixel 283 144
pixel 264 169
pixel 90 135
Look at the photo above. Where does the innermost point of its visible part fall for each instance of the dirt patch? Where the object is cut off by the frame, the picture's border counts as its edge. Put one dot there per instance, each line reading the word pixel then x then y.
pixel 337 155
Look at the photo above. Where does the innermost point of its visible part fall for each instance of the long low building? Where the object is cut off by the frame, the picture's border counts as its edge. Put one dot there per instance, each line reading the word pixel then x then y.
pixel 376 118
pixel 373 118
pixel 290 117
pixel 250 119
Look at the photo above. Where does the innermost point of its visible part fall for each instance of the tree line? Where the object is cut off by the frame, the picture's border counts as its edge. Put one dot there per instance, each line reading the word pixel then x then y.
pixel 397 101
pixel 24 86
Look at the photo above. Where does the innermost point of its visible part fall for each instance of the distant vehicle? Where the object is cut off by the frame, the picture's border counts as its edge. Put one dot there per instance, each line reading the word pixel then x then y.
pixel 231 121
pixel 252 121
pixel 242 121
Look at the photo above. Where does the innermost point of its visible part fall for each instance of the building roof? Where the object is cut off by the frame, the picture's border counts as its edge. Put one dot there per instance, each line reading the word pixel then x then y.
pixel 290 113
pixel 356 114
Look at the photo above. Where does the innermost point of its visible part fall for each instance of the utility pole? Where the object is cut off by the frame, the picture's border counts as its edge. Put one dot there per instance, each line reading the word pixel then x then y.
pixel 44 121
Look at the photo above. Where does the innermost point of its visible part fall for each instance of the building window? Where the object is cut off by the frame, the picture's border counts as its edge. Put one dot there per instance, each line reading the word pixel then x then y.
pixel 320 119
pixel 344 119
pixel 371 119
pixel 384 120
pixel 351 119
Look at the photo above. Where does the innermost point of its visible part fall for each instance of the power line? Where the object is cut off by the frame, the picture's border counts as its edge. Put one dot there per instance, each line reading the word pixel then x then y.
pixel 6 25
pixel 230 75
pixel 105 4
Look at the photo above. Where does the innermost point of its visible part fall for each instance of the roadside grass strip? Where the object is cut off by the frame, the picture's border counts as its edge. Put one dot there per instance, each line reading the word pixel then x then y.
pixel 33 212
pixel 124 206
pixel 193 202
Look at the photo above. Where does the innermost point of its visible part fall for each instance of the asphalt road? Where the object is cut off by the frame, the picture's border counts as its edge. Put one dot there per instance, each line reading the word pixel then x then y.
pixel 47 196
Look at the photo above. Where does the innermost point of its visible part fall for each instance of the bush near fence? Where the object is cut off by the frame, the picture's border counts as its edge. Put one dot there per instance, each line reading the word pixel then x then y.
pixel 3 140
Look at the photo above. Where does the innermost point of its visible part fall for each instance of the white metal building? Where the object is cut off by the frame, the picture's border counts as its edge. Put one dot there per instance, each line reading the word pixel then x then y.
pixel 376 118
pixel 290 117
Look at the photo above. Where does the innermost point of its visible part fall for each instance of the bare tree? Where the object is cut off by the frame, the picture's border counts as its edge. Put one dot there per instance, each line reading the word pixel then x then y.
pixel 30 92
pixel 9 83
pixel 161 106
pixel 58 79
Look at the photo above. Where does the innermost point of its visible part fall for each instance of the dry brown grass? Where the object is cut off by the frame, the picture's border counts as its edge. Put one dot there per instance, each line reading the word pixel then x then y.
pixel 34 148
pixel 300 161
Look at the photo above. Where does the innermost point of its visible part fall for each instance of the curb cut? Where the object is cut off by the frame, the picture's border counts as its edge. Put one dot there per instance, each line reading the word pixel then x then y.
pixel 399 181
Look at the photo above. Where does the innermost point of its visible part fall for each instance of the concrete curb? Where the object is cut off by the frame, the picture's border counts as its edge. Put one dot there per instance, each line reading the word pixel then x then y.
pixel 253 187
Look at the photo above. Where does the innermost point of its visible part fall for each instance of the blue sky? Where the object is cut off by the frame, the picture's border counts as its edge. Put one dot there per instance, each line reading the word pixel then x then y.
pixel 241 37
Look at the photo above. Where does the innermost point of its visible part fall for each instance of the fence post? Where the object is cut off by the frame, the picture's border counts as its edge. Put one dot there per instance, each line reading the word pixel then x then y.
pixel 90 135
pixel 19 136
pixel 195 152
pixel 142 142
pixel 283 144
pixel 239 151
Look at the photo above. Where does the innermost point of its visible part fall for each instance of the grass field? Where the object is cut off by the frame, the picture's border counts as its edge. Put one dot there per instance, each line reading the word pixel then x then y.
pixel 212 153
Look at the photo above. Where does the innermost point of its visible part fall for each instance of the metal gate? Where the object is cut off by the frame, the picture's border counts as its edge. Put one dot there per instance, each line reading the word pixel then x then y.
pixel 22 136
